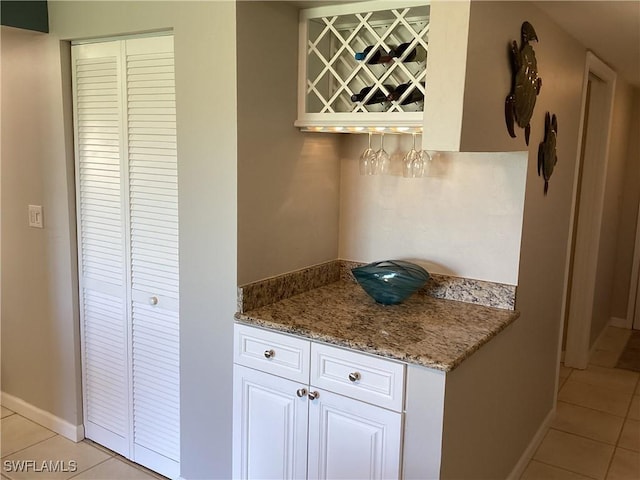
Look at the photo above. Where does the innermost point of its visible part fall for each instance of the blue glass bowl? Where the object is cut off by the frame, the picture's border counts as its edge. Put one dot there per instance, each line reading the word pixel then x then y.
pixel 391 281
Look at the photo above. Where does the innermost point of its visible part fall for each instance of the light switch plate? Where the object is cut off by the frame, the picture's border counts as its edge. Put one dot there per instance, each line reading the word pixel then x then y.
pixel 35 216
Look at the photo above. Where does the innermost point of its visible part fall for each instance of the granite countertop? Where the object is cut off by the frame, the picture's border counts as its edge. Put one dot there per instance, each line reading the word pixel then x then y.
pixel 423 330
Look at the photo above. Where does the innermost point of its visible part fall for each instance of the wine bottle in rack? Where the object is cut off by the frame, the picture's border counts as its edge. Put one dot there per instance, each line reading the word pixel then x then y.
pixel 378 96
pixel 380 56
pixel 417 54
pixel 414 96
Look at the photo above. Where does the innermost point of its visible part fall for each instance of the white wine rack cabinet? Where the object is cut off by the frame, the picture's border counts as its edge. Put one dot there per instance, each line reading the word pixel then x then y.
pixel 329 74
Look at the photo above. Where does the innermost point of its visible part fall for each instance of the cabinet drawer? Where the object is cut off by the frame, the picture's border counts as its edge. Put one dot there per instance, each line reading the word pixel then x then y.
pixel 373 380
pixel 272 352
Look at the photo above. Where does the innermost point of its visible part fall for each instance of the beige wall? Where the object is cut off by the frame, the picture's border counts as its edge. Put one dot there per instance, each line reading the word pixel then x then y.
pixel 40 344
pixel 463 219
pixel 528 382
pixel 545 231
pixel 288 181
pixel 629 200
pixel 612 208
pixel 44 323
pixel 489 77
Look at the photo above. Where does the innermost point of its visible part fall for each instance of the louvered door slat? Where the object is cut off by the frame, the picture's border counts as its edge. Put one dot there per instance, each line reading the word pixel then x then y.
pixel 152 157
pixel 104 405
pixel 167 284
pixel 101 244
pixel 100 217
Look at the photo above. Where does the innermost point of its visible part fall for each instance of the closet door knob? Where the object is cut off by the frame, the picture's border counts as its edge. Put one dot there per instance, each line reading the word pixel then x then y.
pixel 313 395
pixel 153 300
pixel 301 392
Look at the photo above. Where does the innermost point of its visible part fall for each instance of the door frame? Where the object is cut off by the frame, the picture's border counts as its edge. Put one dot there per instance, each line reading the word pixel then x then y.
pixel 580 295
pixel 633 307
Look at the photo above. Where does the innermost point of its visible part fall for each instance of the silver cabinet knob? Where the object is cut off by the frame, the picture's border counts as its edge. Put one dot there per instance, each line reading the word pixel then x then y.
pixel 269 353
pixel 354 376
pixel 313 395
pixel 301 392
pixel 153 300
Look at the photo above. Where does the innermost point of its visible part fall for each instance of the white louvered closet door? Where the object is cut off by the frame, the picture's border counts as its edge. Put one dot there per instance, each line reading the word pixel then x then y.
pixel 153 198
pixel 126 167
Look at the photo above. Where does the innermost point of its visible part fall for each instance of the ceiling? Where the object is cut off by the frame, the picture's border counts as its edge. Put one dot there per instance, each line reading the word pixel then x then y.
pixel 609 28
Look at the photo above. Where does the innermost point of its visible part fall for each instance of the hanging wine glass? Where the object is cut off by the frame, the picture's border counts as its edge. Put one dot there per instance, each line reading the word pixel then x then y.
pixel 383 161
pixel 425 162
pixel 409 159
pixel 368 160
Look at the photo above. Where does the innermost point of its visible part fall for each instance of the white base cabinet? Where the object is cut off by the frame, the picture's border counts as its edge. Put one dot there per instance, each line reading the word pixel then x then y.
pixel 291 428
pixel 270 426
pixel 350 439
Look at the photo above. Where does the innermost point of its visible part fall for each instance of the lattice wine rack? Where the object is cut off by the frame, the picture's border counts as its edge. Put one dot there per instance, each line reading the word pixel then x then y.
pixel 332 79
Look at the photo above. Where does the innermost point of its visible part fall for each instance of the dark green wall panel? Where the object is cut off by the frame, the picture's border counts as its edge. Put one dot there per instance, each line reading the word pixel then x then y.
pixel 28 14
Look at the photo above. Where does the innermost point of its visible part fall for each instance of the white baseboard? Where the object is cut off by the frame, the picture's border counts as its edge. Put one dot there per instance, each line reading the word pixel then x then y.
pixel 75 433
pixel 619 322
pixel 527 455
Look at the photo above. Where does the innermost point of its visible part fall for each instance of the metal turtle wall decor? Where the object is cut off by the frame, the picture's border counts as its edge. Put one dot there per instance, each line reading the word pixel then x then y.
pixel 547 157
pixel 525 82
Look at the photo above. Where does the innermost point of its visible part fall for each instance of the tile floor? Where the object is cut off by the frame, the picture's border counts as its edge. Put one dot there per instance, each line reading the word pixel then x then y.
pixel 596 431
pixel 595 435
pixel 23 440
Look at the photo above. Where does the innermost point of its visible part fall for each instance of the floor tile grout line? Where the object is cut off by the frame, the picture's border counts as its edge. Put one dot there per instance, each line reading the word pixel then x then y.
pixel 98 446
pixel 87 469
pixel 600 367
pixel 49 438
pixel 121 458
pixel 564 469
pixel 583 437
pixel 626 416
pixel 137 466
pixel 32 445
pixel 614 451
pixel 627 449
pixel 607 387
pixel 590 408
pixel 588 438
pixel 594 409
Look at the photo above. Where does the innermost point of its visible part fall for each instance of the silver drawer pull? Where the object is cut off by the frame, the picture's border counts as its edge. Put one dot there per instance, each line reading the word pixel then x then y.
pixel 313 395
pixel 153 300
pixel 269 353
pixel 301 392
pixel 354 376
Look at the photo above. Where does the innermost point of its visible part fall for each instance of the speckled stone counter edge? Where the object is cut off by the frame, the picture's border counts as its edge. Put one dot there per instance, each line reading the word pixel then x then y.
pixel 265 292
pixel 271 290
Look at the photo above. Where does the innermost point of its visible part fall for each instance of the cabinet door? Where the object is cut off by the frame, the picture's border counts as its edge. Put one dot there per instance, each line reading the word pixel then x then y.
pixel 269 426
pixel 349 439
